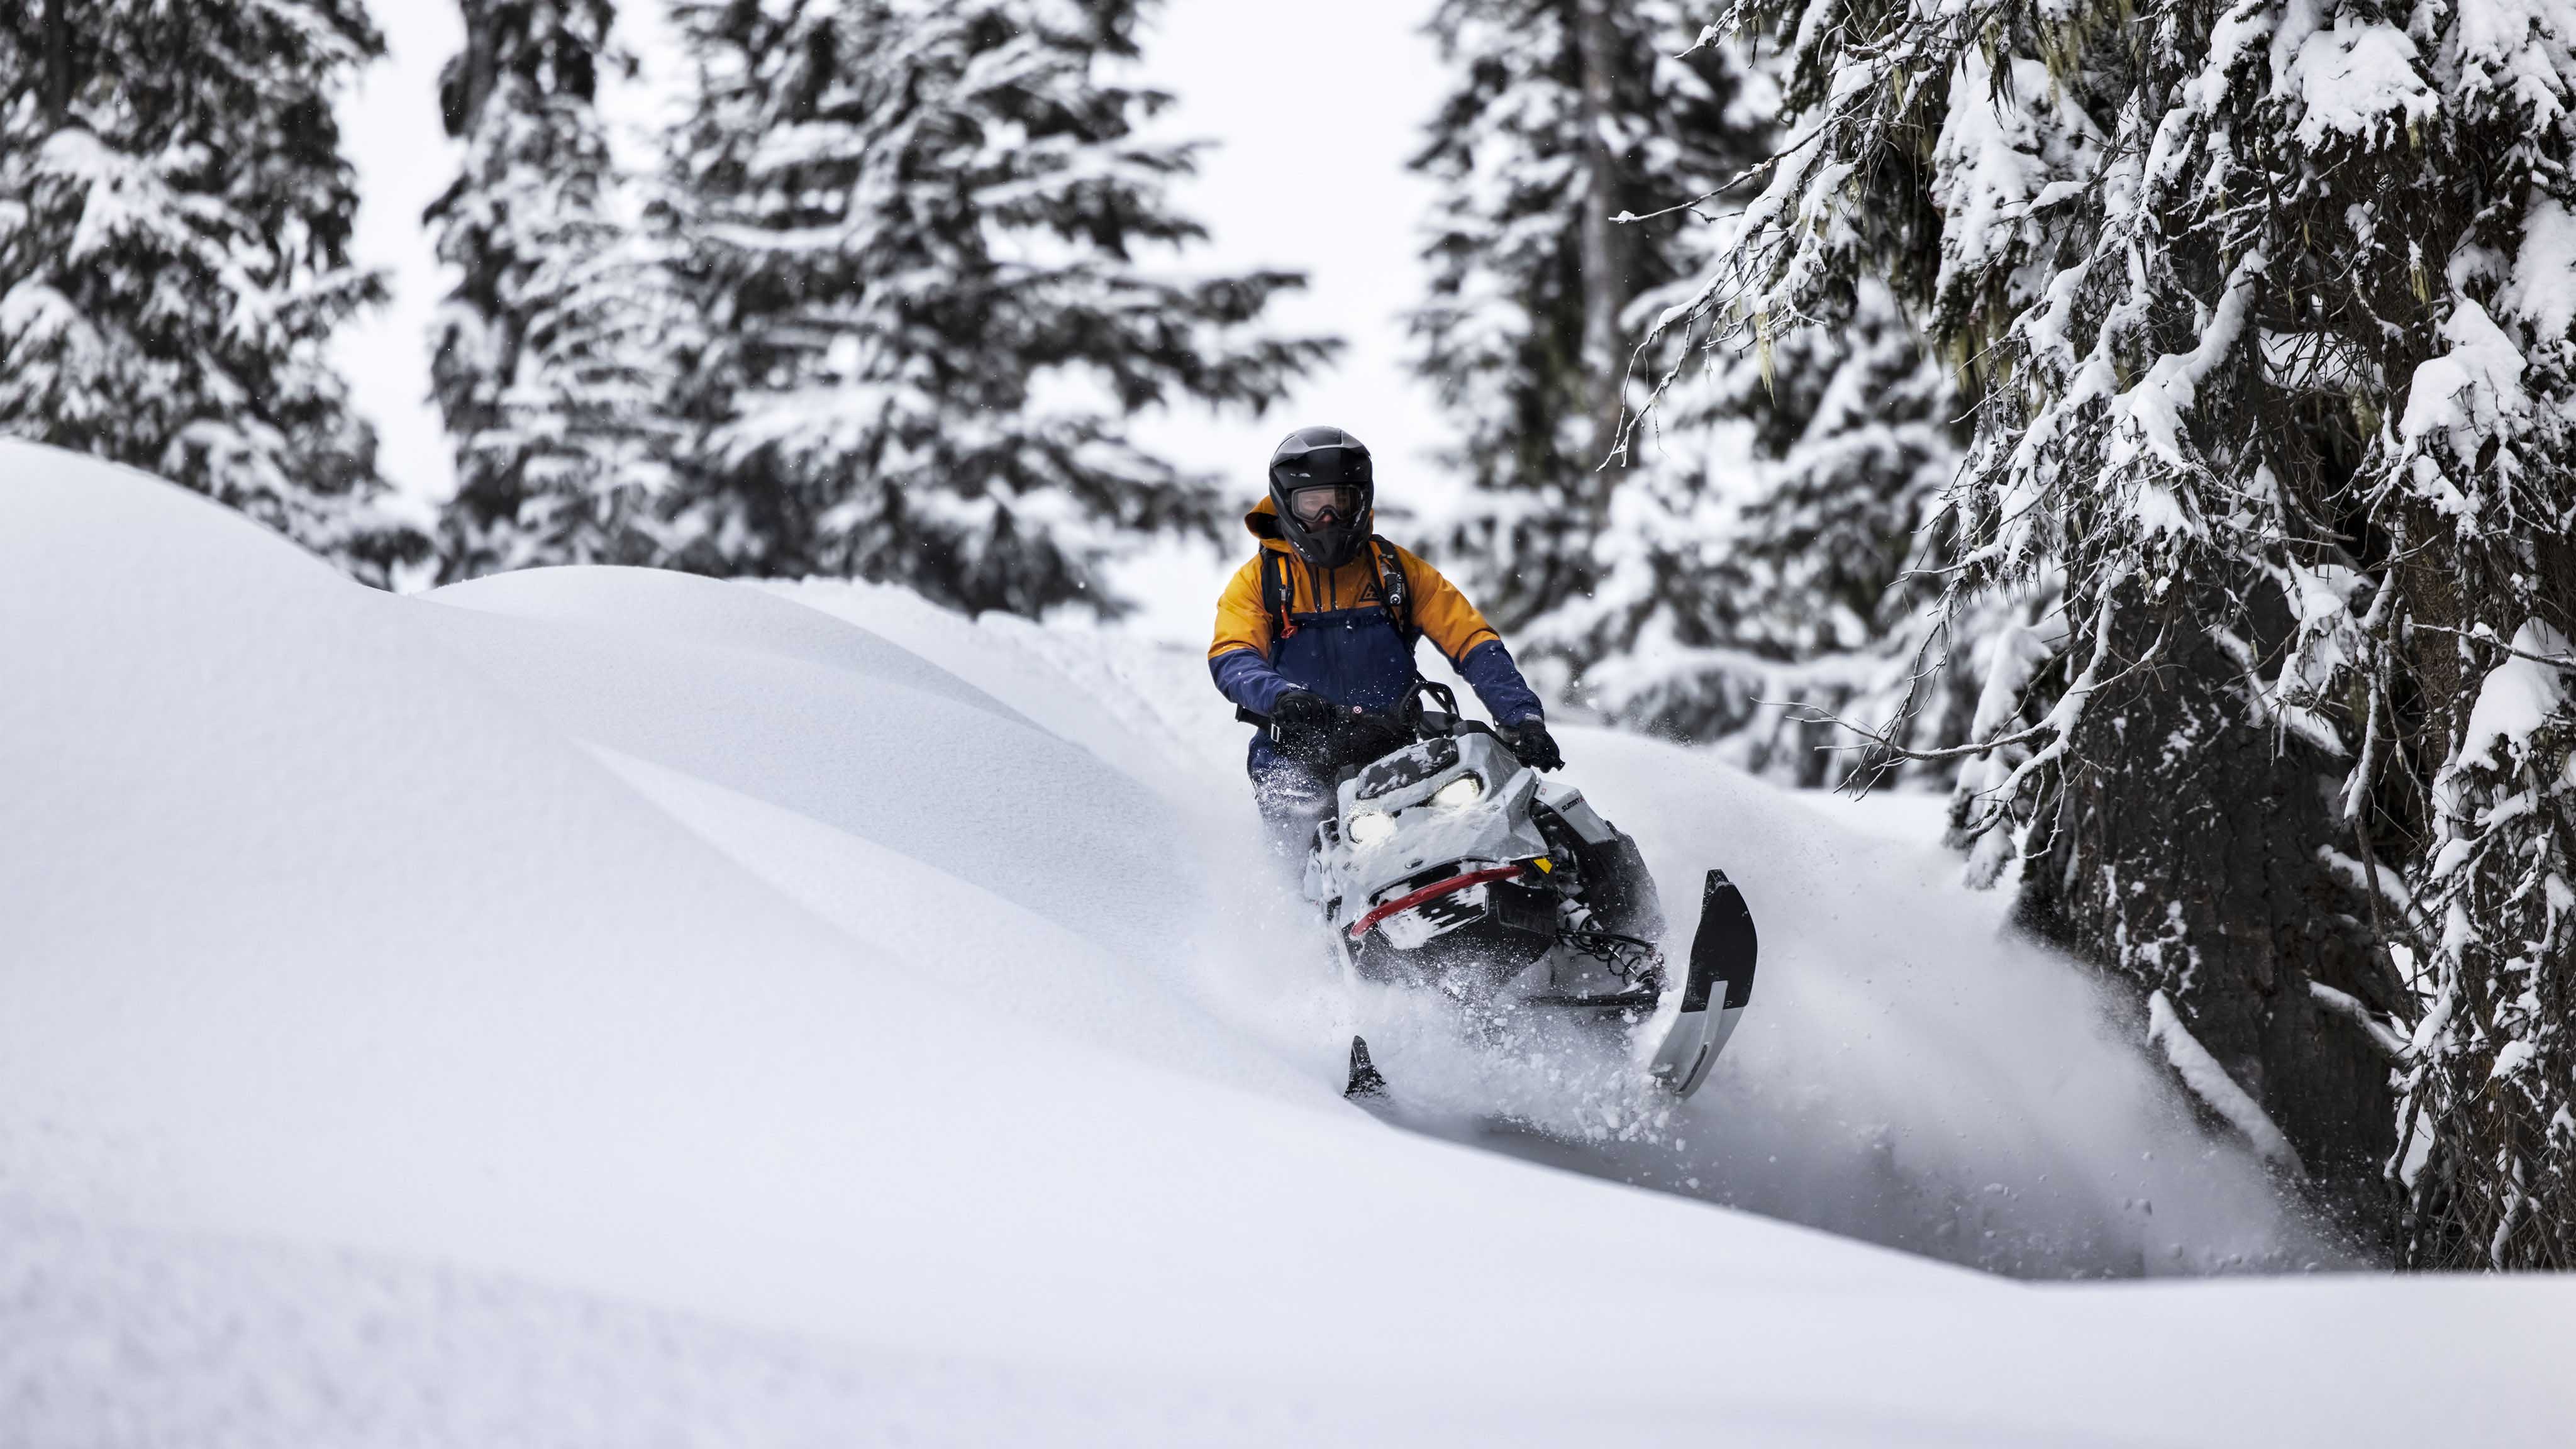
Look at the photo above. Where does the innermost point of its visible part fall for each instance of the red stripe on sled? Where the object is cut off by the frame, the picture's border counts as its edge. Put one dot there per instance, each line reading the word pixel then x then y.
pixel 1431 892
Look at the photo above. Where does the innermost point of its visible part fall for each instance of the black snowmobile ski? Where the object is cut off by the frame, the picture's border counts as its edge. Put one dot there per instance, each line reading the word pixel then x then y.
pixel 1718 987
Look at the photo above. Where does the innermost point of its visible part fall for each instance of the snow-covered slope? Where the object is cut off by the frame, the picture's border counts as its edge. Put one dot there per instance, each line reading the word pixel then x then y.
pixel 597 1007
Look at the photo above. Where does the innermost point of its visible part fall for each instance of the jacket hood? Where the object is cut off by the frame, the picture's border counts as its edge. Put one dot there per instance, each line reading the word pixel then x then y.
pixel 1262 521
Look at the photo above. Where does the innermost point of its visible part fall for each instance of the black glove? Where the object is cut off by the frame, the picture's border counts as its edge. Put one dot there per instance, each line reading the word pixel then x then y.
pixel 1537 748
pixel 1304 725
pixel 1297 709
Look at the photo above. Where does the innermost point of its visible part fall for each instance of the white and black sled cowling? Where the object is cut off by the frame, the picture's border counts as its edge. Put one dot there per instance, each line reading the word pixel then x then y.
pixel 1447 864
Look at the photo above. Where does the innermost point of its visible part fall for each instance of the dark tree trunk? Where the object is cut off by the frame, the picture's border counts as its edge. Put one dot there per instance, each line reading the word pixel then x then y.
pixel 1605 281
pixel 58 59
pixel 474 71
pixel 2185 858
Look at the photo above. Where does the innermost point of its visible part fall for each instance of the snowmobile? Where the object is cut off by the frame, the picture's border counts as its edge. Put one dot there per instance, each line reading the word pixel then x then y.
pixel 1449 865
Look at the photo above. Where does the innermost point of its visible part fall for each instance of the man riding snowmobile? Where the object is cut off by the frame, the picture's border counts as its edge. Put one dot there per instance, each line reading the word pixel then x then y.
pixel 1431 846
pixel 1316 635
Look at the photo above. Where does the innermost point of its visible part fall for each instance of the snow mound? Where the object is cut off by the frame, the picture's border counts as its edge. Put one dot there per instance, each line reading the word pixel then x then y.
pixel 594 1006
pixel 1909 1075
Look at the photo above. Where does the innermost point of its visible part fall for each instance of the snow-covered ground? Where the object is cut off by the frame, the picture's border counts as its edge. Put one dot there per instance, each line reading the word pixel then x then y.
pixel 596 1006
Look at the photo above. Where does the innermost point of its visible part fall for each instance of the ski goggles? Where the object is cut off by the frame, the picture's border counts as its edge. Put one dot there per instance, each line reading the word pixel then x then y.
pixel 1341 501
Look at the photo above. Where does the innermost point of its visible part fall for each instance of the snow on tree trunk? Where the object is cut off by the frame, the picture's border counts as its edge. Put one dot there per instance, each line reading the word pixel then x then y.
pixel 551 359
pixel 934 272
pixel 2181 846
pixel 2264 314
pixel 2491 1065
pixel 174 227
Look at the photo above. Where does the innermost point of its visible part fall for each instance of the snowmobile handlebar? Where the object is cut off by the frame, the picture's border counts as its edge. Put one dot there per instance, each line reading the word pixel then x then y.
pixel 1358 737
pixel 1409 715
pixel 1445 722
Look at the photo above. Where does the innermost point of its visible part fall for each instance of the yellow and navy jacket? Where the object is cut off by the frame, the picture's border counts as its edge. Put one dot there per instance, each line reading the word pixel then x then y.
pixel 1283 623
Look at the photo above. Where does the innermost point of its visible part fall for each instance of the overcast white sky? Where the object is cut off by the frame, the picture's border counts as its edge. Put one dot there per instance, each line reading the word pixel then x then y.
pixel 1314 108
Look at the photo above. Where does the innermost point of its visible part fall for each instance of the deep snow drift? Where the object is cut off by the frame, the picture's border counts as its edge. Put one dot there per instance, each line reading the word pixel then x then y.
pixel 1907 1075
pixel 595 1005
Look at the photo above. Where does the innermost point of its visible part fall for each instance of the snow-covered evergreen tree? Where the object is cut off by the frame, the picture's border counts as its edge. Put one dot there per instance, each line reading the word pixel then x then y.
pixel 551 364
pixel 1752 548
pixel 2265 313
pixel 1564 115
pixel 937 272
pixel 1764 562
pixel 174 226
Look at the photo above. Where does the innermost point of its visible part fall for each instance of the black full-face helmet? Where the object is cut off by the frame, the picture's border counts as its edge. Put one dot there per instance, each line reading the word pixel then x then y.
pixel 1326 492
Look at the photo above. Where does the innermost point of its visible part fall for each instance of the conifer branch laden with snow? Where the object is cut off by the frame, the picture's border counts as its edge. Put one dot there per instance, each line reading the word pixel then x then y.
pixel 1773 553
pixel 2264 314
pixel 552 356
pixel 1563 115
pixel 175 217
pixel 1756 544
pixel 934 273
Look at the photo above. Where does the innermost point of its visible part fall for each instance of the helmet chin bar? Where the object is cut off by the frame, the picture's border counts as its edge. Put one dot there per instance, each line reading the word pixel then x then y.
pixel 1328 547
pixel 1323 457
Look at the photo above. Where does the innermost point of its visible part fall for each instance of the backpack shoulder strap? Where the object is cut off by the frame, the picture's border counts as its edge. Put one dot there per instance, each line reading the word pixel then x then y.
pixel 1274 593
pixel 1392 592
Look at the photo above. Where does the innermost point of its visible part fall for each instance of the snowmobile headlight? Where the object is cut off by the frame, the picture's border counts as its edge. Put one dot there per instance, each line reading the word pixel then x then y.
pixel 1369 827
pixel 1465 790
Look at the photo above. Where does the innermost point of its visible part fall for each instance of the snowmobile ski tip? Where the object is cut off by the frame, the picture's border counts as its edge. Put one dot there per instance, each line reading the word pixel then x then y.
pixel 1366 1081
pixel 1716 992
